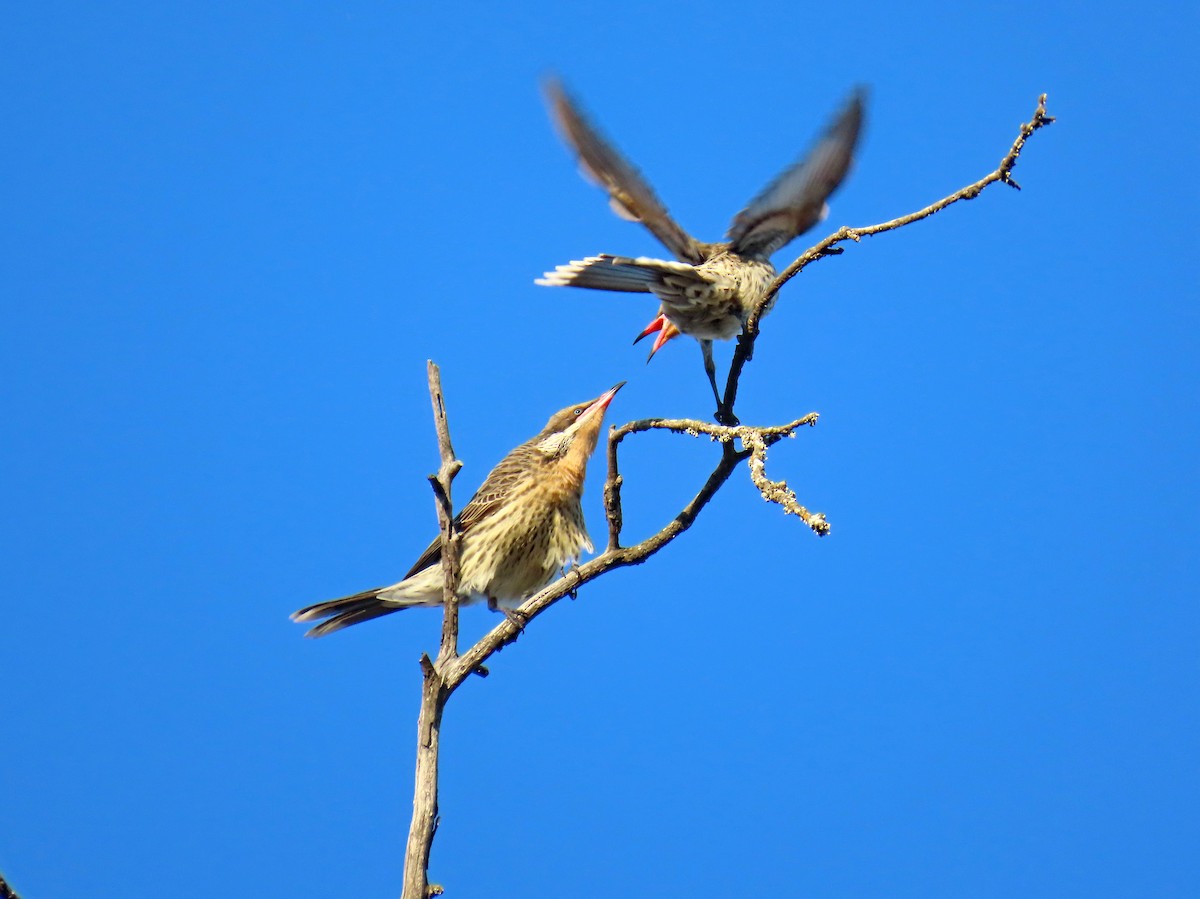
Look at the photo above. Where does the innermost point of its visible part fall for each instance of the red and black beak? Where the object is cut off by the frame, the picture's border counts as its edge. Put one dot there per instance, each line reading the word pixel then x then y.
pixel 666 331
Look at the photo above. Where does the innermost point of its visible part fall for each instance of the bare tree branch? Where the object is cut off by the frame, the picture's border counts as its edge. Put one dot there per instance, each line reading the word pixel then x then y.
pixel 434 691
pixel 829 246
pixel 720 433
pixel 442 678
pixel 612 494
pixel 451 539
pixel 778 491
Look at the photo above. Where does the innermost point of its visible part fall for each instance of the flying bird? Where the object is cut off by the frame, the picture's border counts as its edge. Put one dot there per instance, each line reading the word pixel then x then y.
pixel 523 525
pixel 710 288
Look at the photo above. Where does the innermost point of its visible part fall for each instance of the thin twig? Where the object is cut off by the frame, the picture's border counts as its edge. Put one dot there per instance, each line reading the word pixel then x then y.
pixel 721 433
pixel 612 493
pixel 451 539
pixel 778 491
pixel 691 427
pixel 434 689
pixel 744 351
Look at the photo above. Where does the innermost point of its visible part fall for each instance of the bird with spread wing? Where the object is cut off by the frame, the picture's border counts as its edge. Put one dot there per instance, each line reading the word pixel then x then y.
pixel 708 290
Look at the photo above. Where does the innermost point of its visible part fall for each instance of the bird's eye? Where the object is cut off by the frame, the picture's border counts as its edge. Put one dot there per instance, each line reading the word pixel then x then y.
pixel 577 411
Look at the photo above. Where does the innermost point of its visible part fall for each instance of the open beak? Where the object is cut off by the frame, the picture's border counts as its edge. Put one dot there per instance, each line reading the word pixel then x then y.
pixel 666 331
pixel 655 325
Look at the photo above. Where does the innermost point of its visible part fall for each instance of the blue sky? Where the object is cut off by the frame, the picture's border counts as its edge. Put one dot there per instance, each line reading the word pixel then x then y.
pixel 235 233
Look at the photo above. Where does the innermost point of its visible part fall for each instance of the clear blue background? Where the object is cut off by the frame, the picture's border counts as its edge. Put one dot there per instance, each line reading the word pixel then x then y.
pixel 233 234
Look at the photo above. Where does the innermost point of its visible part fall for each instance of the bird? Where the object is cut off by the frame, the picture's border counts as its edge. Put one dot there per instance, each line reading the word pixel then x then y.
pixel 709 288
pixel 524 524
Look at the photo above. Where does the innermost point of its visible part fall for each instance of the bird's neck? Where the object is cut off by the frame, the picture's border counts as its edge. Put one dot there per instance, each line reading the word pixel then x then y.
pixel 572 466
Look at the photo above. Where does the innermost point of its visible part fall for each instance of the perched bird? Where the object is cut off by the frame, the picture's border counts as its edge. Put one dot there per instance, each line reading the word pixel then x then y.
pixel 712 287
pixel 523 524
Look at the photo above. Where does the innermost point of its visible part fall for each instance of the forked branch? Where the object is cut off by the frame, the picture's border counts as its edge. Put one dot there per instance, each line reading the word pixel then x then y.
pixel 738 444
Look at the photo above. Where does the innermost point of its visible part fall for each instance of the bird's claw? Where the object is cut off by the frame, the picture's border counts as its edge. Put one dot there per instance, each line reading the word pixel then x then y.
pixel 573 568
pixel 516 617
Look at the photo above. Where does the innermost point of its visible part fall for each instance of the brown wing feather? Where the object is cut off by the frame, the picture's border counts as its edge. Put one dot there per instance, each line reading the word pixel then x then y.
pixel 629 193
pixel 795 200
pixel 431 556
pixel 492 493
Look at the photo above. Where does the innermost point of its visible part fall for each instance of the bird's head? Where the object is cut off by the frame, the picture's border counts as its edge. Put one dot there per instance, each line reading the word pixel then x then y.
pixel 576 428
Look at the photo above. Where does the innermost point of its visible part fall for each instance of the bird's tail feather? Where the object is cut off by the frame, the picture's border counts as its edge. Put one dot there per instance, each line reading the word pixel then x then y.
pixel 614 273
pixel 340 613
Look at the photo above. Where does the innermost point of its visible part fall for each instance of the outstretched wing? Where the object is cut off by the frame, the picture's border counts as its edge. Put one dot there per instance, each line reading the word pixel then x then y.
pixel 795 200
pixel 623 273
pixel 629 194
